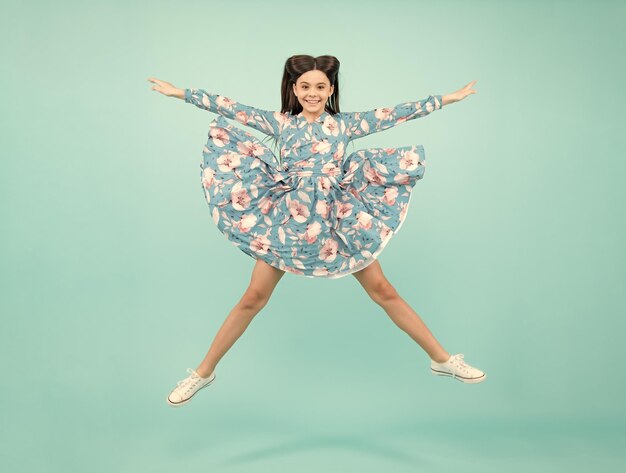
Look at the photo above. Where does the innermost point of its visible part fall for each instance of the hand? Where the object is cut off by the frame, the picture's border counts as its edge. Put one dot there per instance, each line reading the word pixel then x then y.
pixel 459 94
pixel 166 88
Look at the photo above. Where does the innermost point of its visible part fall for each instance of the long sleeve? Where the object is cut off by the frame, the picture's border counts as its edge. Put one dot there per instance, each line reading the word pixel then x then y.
pixel 266 121
pixel 360 124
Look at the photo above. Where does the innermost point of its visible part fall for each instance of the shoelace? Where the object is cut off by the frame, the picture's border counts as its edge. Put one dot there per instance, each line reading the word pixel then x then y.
pixel 189 383
pixel 457 363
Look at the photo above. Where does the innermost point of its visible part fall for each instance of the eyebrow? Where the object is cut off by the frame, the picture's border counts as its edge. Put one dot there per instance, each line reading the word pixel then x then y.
pixel 323 83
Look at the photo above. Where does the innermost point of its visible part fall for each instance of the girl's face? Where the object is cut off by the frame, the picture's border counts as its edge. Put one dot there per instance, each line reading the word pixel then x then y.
pixel 313 89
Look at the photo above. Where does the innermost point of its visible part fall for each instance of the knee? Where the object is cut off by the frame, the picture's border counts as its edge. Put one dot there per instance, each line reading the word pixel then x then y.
pixel 382 291
pixel 253 299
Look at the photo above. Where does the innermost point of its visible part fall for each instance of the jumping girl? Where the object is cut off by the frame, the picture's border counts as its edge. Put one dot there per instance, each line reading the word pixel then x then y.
pixel 310 209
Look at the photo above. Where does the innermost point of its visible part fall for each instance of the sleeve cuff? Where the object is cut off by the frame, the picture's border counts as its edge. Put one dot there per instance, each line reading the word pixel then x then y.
pixel 438 102
pixel 187 95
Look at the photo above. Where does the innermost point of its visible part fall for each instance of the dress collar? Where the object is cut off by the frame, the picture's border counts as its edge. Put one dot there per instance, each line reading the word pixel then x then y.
pixel 319 119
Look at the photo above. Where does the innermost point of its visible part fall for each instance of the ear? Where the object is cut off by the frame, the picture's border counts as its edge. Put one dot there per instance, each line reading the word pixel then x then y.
pixel 294 89
pixel 332 89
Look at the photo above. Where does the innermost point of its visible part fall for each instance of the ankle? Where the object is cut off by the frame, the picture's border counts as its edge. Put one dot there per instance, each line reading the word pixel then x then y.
pixel 441 359
pixel 204 373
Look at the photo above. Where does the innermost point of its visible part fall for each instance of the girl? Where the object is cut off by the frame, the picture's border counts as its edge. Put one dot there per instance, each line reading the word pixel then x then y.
pixel 310 209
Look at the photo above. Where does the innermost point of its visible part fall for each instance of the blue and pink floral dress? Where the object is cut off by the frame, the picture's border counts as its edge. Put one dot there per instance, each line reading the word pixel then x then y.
pixel 310 209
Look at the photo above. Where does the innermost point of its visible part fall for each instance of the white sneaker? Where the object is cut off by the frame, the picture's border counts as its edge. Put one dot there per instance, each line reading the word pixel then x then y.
pixel 185 389
pixel 458 369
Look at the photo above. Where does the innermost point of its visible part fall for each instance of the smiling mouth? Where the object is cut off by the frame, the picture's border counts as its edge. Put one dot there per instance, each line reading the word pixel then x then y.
pixel 312 102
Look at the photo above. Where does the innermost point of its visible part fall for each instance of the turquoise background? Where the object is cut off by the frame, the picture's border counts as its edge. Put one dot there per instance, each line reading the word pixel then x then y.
pixel 114 278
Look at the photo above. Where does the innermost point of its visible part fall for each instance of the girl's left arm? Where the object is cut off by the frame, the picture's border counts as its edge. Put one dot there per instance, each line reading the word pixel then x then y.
pixel 266 121
pixel 360 124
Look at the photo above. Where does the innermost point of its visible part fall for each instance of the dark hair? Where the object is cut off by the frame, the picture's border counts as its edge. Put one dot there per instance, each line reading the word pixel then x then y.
pixel 297 65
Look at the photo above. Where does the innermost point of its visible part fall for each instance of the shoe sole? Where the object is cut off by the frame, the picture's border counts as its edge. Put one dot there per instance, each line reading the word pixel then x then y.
pixel 178 404
pixel 459 378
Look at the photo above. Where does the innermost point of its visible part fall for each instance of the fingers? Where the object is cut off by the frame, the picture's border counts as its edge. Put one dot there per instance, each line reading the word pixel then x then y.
pixel 160 84
pixel 468 88
pixel 471 84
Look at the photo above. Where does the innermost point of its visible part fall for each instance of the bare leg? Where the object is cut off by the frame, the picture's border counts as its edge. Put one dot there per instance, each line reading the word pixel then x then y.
pixel 384 294
pixel 262 283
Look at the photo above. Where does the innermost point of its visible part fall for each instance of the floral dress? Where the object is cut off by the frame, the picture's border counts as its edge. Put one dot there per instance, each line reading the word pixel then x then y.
pixel 310 209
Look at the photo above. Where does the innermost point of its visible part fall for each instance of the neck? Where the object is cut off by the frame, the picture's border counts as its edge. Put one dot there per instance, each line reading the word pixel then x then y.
pixel 311 116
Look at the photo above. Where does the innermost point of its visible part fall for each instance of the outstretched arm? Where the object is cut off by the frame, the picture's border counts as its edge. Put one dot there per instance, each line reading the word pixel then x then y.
pixel 265 121
pixel 359 124
pixel 459 94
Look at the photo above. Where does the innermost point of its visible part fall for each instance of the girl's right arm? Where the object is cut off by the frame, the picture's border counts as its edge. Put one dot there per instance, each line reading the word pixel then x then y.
pixel 265 121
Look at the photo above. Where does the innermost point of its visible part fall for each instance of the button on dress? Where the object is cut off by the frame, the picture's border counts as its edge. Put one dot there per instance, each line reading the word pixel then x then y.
pixel 310 209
